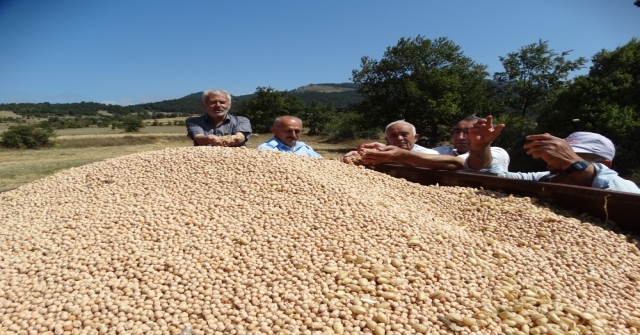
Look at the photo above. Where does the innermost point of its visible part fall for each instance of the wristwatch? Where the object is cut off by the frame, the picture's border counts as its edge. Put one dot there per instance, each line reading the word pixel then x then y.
pixel 577 166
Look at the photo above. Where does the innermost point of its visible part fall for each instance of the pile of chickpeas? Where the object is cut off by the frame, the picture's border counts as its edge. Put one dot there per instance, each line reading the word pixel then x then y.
pixel 213 240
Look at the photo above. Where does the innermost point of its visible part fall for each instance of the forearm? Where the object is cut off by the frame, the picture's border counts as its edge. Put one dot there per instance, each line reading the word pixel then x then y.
pixel 435 162
pixel 202 139
pixel 585 177
pixel 479 158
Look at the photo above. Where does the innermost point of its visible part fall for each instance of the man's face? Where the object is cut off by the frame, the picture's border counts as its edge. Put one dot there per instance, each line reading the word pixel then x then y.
pixel 460 137
pixel 216 105
pixel 401 135
pixel 288 131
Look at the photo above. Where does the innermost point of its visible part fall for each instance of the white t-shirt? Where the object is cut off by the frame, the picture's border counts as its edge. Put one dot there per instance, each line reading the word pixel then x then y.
pixel 423 150
pixel 499 155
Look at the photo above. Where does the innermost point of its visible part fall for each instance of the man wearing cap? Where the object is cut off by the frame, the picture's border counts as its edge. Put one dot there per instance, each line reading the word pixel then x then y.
pixel 582 159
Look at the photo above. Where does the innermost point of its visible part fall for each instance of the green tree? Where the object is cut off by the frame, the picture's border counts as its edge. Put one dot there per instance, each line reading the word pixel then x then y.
pixel 532 77
pixel 132 123
pixel 266 105
pixel 349 125
pixel 27 136
pixel 606 101
pixel 316 117
pixel 426 82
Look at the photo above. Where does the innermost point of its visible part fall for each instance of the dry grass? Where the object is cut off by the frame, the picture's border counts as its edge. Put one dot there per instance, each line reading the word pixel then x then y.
pixel 9 114
pixel 76 147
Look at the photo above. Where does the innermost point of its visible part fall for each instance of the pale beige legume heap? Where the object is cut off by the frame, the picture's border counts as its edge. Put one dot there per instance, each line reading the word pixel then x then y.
pixel 240 241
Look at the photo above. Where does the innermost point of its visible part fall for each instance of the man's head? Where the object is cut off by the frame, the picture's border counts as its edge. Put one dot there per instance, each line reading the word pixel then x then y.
pixel 460 134
pixel 591 147
pixel 401 134
pixel 287 130
pixel 217 103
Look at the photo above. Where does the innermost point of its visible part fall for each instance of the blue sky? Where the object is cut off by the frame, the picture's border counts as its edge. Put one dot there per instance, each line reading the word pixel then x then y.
pixel 136 51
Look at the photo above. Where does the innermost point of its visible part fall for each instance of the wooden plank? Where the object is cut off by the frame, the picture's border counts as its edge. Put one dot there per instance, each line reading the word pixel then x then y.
pixel 620 207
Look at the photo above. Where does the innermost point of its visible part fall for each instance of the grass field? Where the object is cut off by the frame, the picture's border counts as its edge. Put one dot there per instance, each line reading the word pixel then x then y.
pixel 76 147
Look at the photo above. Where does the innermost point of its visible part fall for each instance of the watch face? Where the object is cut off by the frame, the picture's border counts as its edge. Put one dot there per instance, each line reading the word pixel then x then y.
pixel 577 166
pixel 581 165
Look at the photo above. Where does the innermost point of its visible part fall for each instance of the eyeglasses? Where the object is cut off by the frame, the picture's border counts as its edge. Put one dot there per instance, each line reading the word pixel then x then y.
pixel 457 132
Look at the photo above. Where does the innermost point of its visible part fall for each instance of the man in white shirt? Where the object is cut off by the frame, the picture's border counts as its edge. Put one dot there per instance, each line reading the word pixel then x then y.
pixel 462 145
pixel 444 158
pixel 398 134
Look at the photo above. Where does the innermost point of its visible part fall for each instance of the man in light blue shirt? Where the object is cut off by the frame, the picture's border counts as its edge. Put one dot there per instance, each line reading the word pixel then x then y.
pixel 582 159
pixel 286 132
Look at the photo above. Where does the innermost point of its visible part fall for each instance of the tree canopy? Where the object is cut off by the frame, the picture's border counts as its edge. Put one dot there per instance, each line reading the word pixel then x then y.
pixel 606 101
pixel 266 105
pixel 425 82
pixel 532 76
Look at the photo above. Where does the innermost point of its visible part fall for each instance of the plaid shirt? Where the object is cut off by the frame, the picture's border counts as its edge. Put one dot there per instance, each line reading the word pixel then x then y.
pixel 230 126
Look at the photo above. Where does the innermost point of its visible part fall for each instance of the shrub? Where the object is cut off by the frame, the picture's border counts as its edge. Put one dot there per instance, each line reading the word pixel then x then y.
pixel 132 123
pixel 27 136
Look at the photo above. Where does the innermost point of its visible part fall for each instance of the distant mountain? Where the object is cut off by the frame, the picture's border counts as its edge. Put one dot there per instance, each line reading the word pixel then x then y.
pixel 341 95
pixel 327 88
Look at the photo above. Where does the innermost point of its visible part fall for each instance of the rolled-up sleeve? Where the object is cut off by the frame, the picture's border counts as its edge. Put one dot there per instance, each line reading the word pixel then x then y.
pixel 244 126
pixel 194 127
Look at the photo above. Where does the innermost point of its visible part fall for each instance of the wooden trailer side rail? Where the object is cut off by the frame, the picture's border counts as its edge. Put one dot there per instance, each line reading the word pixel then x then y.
pixel 620 207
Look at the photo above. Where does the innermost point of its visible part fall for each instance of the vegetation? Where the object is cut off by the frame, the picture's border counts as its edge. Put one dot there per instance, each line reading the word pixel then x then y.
pixel 605 101
pixel 26 137
pixel 266 105
pixel 132 123
pixel 430 83
pixel 425 82
pixel 532 78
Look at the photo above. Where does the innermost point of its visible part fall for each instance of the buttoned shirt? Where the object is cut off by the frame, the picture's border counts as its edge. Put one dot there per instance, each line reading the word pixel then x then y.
pixel 273 144
pixel 605 178
pixel 229 126
pixel 500 155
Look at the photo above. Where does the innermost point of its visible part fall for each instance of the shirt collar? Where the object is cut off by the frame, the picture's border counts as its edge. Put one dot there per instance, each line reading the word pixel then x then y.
pixel 227 118
pixel 284 146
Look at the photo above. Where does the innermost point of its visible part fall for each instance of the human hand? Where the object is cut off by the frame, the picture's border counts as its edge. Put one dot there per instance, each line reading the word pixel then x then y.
pixel 351 157
pixel 382 154
pixel 553 150
pixel 227 140
pixel 212 139
pixel 483 132
pixel 372 145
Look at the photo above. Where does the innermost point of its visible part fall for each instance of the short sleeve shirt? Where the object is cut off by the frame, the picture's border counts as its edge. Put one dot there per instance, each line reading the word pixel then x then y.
pixel 230 126
pixel 500 156
pixel 422 150
pixel 273 144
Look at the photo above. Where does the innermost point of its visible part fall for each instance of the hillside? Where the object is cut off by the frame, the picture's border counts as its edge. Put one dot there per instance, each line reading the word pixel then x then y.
pixel 327 88
pixel 341 95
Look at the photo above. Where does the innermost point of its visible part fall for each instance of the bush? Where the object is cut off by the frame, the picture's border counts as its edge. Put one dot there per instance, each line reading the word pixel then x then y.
pixel 132 123
pixel 347 125
pixel 30 137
